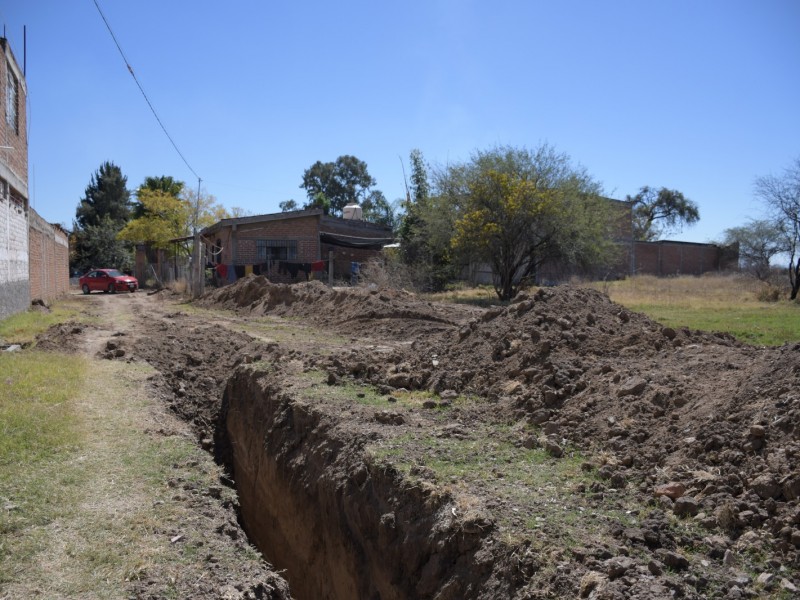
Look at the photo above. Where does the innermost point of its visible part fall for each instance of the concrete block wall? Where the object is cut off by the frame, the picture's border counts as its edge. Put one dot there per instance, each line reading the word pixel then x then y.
pixel 14 286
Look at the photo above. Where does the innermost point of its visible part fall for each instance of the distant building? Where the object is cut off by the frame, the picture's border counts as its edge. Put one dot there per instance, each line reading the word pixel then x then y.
pixel 284 247
pixel 633 257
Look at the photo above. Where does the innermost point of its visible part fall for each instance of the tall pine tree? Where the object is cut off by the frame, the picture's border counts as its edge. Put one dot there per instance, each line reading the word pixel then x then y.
pixel 101 214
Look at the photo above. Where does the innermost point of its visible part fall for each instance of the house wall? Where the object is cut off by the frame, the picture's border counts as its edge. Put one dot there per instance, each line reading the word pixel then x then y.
pixel 304 230
pixel 233 243
pixel 48 259
pixel 14 284
pixel 344 257
pixel 14 138
pixel 239 243
pixel 666 258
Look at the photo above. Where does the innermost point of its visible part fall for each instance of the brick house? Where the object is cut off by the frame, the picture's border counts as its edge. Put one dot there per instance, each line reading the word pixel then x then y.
pixel 34 255
pixel 284 247
pixel 14 284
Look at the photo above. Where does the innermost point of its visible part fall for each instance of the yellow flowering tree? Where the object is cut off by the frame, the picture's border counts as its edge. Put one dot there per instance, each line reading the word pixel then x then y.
pixel 164 217
pixel 518 209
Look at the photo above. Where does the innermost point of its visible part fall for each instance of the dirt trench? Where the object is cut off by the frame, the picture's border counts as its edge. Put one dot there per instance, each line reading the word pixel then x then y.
pixel 334 522
pixel 341 525
pixel 339 486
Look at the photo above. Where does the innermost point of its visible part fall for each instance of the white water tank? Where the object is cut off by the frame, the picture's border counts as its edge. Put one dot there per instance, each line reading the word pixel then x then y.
pixel 352 211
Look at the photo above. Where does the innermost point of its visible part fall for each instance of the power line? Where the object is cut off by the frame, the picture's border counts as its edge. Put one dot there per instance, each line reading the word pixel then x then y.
pixel 141 89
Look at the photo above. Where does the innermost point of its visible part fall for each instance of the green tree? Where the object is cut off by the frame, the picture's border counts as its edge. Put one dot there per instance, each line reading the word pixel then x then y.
pixel 101 214
pixel 420 185
pixel 287 205
pixel 164 218
pixel 758 242
pixel 377 209
pixel 98 246
pixel 518 209
pixel 411 230
pixel 105 196
pixel 659 212
pixel 164 183
pixel 166 210
pixel 781 196
pixel 205 210
pixel 341 182
pixel 426 227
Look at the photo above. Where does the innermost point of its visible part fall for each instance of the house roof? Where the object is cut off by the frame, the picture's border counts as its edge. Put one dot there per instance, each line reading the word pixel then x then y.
pixel 292 214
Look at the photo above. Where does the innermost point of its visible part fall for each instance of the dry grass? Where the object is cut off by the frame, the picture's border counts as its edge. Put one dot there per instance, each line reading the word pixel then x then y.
pixel 728 303
pixel 690 292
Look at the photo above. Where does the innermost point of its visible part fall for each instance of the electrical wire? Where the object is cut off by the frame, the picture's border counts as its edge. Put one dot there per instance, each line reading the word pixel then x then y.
pixel 141 89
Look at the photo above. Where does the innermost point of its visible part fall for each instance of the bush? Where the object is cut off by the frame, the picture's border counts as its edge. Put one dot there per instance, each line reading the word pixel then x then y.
pixel 769 293
pixel 385 272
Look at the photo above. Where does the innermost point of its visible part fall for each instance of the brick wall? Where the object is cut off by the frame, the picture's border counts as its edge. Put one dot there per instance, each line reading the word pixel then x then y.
pixel 14 138
pixel 242 243
pixel 664 258
pixel 234 242
pixel 48 259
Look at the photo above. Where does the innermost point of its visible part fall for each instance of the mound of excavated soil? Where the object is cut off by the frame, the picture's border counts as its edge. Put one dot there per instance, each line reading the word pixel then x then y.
pixel 695 423
pixel 64 337
pixel 365 311
pixel 718 417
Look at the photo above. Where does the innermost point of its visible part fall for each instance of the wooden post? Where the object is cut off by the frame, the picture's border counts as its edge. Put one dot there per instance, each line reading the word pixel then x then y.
pixel 330 268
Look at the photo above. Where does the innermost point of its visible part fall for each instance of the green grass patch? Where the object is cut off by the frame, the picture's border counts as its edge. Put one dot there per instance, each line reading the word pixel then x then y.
pixel 728 304
pixel 23 327
pixel 39 433
pixel 37 419
pixel 350 391
pixel 344 391
pixel 483 296
pixel 525 489
pixel 89 494
pixel 764 324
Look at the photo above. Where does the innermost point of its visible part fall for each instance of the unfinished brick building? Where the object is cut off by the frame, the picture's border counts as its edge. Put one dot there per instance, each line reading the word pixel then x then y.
pixel 34 255
pixel 292 246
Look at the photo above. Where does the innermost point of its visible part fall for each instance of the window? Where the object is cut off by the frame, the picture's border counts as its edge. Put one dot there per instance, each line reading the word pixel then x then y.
pixel 276 250
pixel 12 100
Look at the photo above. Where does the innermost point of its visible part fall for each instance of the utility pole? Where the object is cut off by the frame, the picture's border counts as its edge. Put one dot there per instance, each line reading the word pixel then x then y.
pixel 197 268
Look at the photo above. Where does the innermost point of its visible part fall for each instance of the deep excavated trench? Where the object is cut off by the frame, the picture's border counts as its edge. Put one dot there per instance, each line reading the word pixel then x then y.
pixel 340 525
pixel 332 512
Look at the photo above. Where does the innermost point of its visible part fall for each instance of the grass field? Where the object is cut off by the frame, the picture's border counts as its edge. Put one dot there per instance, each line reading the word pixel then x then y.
pixel 711 303
pixel 22 327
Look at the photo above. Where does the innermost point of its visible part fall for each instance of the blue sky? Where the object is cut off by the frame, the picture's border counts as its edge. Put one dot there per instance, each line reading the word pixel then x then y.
pixel 700 96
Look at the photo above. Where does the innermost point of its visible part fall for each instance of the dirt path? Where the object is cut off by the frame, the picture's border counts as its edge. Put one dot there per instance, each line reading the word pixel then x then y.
pixel 151 515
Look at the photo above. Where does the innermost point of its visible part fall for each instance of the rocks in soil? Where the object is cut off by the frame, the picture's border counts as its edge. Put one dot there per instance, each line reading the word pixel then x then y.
pixel 694 423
